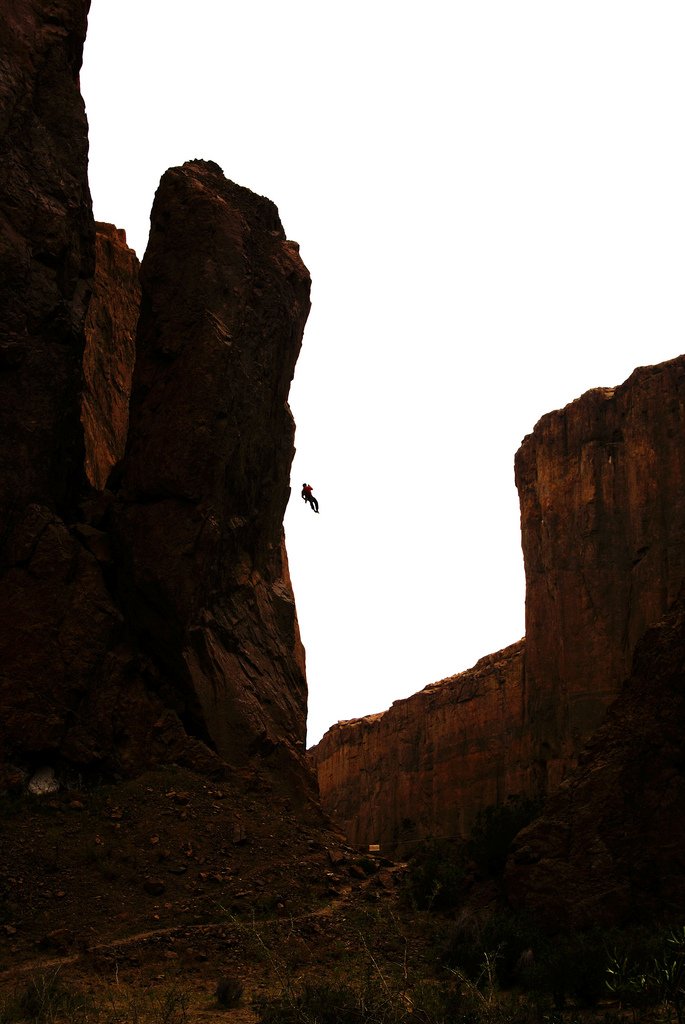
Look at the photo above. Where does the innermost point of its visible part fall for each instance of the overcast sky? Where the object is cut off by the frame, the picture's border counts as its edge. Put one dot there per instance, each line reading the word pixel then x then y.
pixel 490 198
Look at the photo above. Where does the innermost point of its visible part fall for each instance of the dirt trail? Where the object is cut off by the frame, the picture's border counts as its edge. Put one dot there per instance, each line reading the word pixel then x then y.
pixel 178 931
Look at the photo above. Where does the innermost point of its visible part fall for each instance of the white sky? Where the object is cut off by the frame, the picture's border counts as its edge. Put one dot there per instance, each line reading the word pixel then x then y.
pixel 490 198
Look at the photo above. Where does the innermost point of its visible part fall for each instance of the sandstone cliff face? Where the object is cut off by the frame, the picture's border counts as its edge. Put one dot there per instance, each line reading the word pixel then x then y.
pixel 205 479
pixel 603 534
pixel 427 765
pixel 603 528
pixel 155 621
pixel 109 355
pixel 609 846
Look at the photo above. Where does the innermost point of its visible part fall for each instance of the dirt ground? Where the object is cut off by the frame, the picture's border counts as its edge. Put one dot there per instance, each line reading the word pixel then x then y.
pixel 145 896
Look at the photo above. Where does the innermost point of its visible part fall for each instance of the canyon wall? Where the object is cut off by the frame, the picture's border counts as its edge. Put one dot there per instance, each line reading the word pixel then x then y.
pixel 603 535
pixel 429 763
pixel 48 582
pixel 609 845
pixel 146 612
pixel 47 254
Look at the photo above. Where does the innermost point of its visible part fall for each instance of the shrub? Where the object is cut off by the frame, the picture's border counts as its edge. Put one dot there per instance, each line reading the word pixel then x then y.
pixel 229 992
pixel 44 999
pixel 651 972
pixel 574 967
pixel 372 1003
pixel 495 829
pixel 513 941
pixel 437 875
pixel 565 967
pixel 323 1004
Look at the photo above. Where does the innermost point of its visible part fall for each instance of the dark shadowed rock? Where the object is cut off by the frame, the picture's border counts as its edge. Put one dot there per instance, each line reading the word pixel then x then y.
pixel 158 625
pixel 46 254
pixel 49 586
pixel 205 481
pixel 609 846
pixel 57 623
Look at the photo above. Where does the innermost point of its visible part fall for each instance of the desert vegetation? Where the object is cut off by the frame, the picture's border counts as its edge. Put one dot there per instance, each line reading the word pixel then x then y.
pixel 360 940
pixel 371 961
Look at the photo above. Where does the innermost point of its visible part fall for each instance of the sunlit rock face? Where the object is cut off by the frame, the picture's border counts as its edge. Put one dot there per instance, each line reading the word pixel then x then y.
pixel 109 354
pixel 431 762
pixel 152 620
pixel 601 486
pixel 608 847
pixel 205 481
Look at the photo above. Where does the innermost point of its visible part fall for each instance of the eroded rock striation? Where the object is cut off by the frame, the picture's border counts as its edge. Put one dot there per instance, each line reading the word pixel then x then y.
pixel 150 620
pixel 601 485
pixel 603 536
pixel 110 349
pixel 432 761
pixel 199 523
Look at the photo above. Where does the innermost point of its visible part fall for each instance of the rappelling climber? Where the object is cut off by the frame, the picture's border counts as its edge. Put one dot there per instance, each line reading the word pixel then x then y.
pixel 308 496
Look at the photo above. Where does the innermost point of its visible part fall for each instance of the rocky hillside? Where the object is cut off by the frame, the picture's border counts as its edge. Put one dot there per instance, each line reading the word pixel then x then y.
pixel 146 611
pixel 603 535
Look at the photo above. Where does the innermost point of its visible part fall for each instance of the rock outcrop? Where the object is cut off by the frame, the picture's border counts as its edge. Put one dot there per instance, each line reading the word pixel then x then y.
pixel 205 481
pixel 601 485
pixel 47 252
pixel 432 761
pixel 152 621
pixel 110 351
pixel 48 582
pixel 609 846
pixel 602 491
